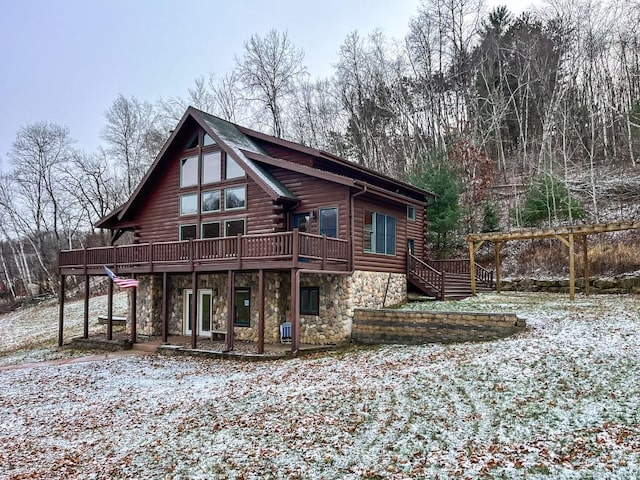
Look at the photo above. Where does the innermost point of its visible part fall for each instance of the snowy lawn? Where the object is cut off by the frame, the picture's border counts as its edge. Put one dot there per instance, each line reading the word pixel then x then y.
pixel 560 400
pixel 30 334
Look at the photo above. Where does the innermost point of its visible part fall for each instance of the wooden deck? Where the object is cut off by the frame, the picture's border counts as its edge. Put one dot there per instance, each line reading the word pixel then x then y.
pixel 284 250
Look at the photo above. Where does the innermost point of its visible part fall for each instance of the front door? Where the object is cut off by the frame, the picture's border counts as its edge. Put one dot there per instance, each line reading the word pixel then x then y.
pixel 301 222
pixel 242 317
pixel 204 313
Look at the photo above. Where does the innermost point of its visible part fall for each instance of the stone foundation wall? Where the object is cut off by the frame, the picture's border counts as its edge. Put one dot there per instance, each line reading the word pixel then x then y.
pixel 616 285
pixel 402 326
pixel 217 283
pixel 378 289
pixel 333 325
pixel 340 295
pixel 148 306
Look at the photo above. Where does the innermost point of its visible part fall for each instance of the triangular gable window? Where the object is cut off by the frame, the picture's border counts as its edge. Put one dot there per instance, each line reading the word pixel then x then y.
pixel 193 142
pixel 208 141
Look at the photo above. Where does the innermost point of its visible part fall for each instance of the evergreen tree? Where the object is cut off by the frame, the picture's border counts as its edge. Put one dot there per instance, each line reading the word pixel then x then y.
pixel 547 198
pixel 444 213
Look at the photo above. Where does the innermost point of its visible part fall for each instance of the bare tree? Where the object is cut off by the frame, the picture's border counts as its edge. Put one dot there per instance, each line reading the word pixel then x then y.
pixel 133 136
pixel 269 69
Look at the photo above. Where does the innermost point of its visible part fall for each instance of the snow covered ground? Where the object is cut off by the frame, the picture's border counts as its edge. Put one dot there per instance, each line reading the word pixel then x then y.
pixel 560 400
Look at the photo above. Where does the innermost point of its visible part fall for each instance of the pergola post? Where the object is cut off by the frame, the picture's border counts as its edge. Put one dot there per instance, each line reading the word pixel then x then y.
pixel 497 246
pixel 472 266
pixel 572 269
pixel 585 259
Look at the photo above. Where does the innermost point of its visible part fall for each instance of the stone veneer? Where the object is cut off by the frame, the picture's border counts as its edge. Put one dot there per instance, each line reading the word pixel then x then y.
pixel 340 295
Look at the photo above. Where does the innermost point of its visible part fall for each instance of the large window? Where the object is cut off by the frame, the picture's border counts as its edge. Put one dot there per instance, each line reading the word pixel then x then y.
pixel 210 230
pixel 329 222
pixel 189 172
pixel 210 201
pixel 379 233
pixel 309 301
pixel 235 197
pixel 189 204
pixel 233 228
pixel 187 232
pixel 211 167
pixel 233 170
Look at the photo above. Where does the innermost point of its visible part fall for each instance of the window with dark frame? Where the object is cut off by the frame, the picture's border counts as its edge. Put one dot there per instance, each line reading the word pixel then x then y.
pixel 233 228
pixel 189 204
pixel 210 201
pixel 379 233
pixel 235 198
pixel 189 172
pixel 411 212
pixel 309 300
pixel 329 221
pixel 188 232
pixel 211 167
pixel 210 230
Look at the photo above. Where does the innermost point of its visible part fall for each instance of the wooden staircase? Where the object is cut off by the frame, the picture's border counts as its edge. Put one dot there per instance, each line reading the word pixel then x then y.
pixel 447 279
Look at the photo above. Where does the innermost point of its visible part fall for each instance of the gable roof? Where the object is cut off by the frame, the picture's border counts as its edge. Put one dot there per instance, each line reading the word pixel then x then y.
pixel 332 162
pixel 243 146
pixel 230 140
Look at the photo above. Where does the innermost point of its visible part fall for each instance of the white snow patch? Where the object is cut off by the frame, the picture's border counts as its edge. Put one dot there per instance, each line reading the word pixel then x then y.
pixel 559 400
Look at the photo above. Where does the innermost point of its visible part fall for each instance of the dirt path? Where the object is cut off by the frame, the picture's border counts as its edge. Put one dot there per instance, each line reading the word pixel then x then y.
pixel 69 361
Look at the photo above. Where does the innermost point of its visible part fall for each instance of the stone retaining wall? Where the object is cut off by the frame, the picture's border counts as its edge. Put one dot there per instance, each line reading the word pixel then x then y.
pixel 616 285
pixel 404 326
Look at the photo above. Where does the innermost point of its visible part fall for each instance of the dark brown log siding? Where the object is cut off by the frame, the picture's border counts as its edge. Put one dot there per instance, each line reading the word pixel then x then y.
pixel 314 194
pixel 404 229
pixel 157 217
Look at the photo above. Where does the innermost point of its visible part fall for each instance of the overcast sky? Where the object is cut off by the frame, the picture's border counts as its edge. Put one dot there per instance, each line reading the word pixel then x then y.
pixel 65 61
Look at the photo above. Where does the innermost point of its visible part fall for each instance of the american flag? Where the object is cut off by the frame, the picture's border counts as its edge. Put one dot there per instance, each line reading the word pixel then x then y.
pixel 121 282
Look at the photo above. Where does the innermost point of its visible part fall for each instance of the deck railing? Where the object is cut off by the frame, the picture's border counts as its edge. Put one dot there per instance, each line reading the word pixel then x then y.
pixel 286 246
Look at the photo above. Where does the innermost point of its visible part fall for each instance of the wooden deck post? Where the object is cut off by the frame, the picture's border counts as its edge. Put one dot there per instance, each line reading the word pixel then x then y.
pixel 165 318
pixel 260 311
pixel 230 309
pixel 61 311
pixel 295 248
pixel 193 320
pixel 85 325
pixel 132 314
pixel 110 310
pixel 85 329
pixel 295 312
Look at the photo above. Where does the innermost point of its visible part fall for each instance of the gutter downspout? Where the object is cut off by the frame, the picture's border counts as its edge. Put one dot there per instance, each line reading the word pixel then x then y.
pixel 295 344
pixel 353 223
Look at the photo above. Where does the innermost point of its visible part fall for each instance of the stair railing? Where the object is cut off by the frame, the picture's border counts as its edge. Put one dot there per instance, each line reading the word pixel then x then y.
pixel 426 274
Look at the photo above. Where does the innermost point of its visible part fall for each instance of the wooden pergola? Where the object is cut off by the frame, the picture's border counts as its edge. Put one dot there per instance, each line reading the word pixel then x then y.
pixel 569 236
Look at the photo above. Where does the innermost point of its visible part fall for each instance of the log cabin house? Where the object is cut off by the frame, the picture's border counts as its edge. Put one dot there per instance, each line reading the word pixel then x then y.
pixel 236 231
